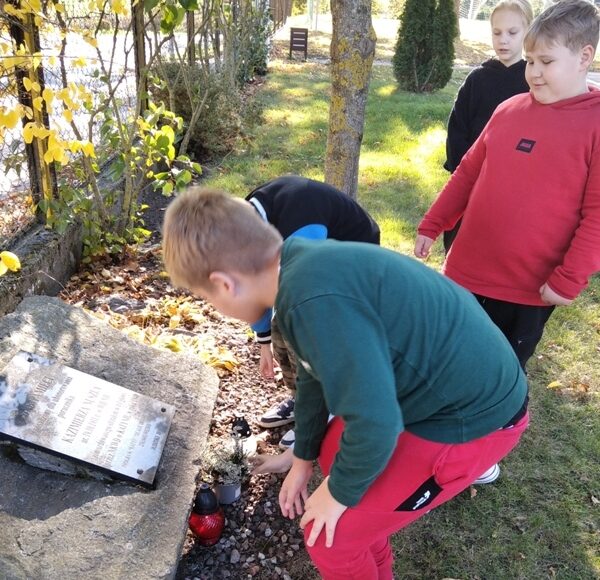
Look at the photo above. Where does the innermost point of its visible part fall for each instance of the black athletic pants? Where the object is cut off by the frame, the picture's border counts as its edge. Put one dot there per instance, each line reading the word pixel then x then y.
pixel 522 324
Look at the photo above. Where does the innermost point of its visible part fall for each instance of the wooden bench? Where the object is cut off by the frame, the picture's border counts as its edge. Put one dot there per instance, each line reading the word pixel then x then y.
pixel 299 41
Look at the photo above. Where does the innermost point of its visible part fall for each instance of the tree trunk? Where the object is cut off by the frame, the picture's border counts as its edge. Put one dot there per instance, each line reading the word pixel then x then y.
pixel 457 8
pixel 352 52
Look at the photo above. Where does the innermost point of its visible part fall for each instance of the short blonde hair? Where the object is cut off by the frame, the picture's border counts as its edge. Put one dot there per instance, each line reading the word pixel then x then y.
pixel 206 231
pixel 522 7
pixel 574 23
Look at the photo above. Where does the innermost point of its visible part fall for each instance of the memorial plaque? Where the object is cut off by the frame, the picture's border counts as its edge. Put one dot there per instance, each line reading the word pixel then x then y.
pixel 82 418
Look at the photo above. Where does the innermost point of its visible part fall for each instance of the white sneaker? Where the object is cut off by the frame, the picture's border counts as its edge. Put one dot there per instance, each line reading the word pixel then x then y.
pixel 279 415
pixel 287 440
pixel 489 476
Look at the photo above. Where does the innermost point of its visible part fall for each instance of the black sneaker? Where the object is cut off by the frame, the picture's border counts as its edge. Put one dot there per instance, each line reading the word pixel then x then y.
pixel 282 414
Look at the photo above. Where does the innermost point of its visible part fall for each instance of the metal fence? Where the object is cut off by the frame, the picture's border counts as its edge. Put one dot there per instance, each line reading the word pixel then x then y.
pixel 69 61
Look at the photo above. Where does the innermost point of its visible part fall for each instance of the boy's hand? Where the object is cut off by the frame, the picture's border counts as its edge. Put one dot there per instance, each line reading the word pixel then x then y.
pixel 279 463
pixel 293 489
pixel 267 369
pixel 551 298
pixel 322 509
pixel 422 246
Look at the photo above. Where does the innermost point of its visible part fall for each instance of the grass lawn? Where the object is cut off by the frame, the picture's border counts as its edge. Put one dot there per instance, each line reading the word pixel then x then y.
pixel 542 518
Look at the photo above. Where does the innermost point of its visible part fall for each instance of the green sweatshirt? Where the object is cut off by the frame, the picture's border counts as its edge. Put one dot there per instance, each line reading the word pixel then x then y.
pixel 387 344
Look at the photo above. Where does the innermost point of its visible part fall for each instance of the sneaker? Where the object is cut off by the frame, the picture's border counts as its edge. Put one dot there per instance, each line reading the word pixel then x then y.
pixel 489 476
pixel 287 440
pixel 277 416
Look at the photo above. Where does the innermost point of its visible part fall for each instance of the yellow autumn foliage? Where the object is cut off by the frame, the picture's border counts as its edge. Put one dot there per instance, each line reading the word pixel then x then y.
pixel 9 261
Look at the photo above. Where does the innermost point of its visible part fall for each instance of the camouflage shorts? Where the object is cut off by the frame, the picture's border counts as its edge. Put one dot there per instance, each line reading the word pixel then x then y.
pixel 284 355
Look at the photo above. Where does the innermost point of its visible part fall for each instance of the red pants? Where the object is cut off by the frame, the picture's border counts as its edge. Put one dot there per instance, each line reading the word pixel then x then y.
pixel 420 476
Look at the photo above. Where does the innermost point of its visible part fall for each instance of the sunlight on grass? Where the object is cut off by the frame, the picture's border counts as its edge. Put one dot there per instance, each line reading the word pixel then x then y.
pixel 386 90
pixel 538 520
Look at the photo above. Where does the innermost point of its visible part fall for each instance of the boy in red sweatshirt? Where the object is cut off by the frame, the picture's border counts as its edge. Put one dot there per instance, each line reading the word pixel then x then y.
pixel 528 191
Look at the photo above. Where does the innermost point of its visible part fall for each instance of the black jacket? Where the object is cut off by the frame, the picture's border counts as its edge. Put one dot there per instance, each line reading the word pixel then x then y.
pixel 484 89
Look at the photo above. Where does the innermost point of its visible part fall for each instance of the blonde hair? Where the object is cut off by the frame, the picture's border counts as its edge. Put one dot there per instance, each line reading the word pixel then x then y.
pixel 522 7
pixel 206 231
pixel 574 23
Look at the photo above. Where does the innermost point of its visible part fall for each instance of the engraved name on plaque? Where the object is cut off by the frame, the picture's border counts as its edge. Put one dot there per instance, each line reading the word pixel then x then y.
pixel 82 418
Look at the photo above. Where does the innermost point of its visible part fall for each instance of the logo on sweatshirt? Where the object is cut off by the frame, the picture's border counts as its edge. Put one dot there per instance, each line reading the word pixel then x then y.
pixel 525 145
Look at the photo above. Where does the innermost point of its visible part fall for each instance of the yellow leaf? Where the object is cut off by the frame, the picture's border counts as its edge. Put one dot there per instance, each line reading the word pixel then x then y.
pixel 554 385
pixel 68 115
pixel 38 103
pixel 48 96
pixel 59 8
pixel 88 149
pixel 10 119
pixel 36 62
pixel 174 321
pixel 33 5
pixel 27 84
pixel 52 60
pixel 41 132
pixel 119 7
pixel 80 61
pixel 91 41
pixel 173 344
pixel 28 132
pixel 11 261
pixel 75 147
pixel 9 9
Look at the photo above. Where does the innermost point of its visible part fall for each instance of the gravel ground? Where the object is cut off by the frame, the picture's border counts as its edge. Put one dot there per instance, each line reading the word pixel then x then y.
pixel 257 542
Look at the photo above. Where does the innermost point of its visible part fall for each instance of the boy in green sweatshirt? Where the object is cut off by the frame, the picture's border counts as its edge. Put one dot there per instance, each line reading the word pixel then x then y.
pixel 427 393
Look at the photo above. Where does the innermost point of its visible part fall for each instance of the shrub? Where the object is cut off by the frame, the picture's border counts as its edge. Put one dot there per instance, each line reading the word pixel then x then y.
pixel 445 30
pixel 424 51
pixel 255 39
pixel 221 120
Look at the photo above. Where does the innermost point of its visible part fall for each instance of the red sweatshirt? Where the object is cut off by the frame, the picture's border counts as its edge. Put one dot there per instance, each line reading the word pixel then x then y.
pixel 529 194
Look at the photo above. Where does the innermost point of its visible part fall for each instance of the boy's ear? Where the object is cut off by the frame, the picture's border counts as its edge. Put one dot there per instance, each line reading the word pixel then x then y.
pixel 223 281
pixel 587 55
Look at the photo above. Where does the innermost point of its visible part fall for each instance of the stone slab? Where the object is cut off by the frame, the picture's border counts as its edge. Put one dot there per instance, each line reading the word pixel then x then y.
pixel 59 526
pixel 78 417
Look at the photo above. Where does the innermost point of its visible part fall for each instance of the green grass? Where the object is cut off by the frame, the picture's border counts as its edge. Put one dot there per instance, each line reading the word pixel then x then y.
pixel 542 518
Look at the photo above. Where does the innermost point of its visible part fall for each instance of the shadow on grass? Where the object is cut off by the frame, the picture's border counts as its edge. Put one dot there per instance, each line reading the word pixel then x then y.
pixel 539 520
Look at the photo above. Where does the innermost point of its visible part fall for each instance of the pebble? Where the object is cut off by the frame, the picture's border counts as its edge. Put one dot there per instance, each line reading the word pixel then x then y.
pixel 258 542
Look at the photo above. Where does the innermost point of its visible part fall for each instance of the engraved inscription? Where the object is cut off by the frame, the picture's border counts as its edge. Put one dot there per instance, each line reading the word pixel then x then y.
pixel 81 417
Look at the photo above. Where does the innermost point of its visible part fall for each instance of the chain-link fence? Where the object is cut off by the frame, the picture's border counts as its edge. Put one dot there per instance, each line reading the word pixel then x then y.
pixel 15 192
pixel 87 63
pixel 66 63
